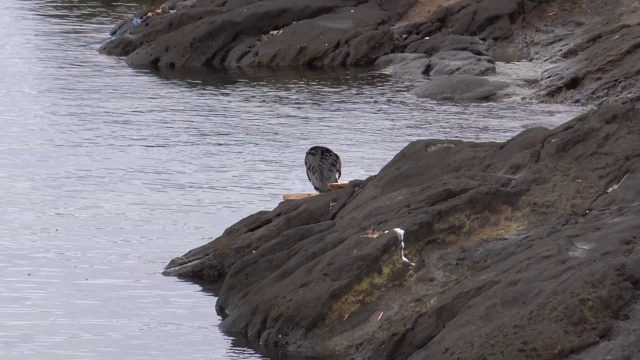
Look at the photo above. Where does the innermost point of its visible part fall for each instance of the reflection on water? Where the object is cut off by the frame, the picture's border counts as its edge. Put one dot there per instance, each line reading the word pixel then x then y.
pixel 108 172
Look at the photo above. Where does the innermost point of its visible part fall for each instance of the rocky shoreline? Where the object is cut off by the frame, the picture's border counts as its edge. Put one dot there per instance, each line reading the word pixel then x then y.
pixel 587 49
pixel 516 250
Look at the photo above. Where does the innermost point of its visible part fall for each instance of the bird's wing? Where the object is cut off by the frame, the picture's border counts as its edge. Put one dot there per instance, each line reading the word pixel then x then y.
pixel 306 166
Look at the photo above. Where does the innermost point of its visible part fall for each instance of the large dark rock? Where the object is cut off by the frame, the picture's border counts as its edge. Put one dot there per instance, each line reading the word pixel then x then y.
pixel 346 36
pixel 523 250
pixel 156 27
pixel 259 33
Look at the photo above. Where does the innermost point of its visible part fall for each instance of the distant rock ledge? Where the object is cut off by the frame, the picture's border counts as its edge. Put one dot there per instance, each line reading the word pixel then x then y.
pixel 587 51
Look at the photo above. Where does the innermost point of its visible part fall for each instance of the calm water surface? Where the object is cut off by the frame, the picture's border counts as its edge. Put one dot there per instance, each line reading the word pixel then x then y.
pixel 108 172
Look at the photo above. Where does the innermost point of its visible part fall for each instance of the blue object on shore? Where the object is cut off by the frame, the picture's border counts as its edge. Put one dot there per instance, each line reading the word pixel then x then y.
pixel 134 23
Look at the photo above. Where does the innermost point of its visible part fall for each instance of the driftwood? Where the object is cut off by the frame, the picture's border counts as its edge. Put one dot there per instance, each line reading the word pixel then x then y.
pixel 340 185
pixel 332 186
pixel 298 196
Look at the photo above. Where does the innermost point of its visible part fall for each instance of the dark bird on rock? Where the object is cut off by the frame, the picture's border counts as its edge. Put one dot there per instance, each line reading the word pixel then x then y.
pixel 323 167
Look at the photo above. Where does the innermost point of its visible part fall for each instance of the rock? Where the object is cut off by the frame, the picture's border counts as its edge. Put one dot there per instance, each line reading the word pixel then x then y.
pixel 490 19
pixel 589 75
pixel 453 55
pixel 522 249
pixel 263 33
pixel 591 45
pixel 343 37
pixel 447 42
pixel 386 61
pixel 460 88
pixel 485 19
pixel 460 63
pixel 156 27
pixel 404 64
pixel 469 25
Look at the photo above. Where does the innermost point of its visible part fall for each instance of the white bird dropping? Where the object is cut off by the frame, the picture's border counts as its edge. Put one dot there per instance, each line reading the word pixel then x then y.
pixel 400 234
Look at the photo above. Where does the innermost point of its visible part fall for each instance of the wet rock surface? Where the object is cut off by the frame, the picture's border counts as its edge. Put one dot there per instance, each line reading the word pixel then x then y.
pixel 522 249
pixel 403 64
pixel 518 250
pixel 460 63
pixel 593 46
pixel 460 88
pixel 258 33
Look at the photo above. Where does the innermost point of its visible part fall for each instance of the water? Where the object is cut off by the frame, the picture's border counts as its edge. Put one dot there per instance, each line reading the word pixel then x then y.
pixel 108 172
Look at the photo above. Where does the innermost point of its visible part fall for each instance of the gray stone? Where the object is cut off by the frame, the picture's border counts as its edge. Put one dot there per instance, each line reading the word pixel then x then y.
pixel 460 63
pixel 404 64
pixel 448 42
pixel 460 88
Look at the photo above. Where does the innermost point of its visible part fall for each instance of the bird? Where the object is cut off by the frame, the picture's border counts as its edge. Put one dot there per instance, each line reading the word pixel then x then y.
pixel 323 167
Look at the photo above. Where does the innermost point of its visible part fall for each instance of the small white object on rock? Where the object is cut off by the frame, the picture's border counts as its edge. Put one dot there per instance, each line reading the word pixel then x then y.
pixel 615 186
pixel 400 234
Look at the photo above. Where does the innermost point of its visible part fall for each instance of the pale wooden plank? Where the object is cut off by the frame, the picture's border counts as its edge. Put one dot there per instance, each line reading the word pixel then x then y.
pixel 339 185
pixel 298 196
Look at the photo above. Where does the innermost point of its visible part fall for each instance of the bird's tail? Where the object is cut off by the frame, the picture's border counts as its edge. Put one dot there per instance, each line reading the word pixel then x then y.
pixel 327 178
